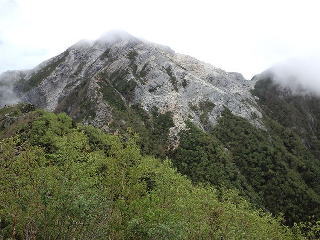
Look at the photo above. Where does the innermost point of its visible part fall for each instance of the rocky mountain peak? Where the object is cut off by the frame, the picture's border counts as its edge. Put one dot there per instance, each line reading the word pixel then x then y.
pixel 93 79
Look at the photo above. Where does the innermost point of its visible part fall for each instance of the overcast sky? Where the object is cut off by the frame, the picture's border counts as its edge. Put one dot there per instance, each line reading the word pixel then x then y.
pixel 246 36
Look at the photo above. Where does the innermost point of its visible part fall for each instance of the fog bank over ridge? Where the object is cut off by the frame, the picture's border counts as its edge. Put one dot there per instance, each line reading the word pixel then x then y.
pixel 301 75
pixel 7 94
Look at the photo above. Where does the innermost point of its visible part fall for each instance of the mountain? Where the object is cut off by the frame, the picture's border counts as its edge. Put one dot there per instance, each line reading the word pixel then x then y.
pixel 216 127
pixel 298 110
pixel 118 71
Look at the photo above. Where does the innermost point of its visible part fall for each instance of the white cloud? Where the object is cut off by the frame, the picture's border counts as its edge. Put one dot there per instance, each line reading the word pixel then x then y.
pixel 246 36
pixel 301 75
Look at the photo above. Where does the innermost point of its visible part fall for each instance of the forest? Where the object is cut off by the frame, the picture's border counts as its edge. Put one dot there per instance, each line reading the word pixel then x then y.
pixel 63 180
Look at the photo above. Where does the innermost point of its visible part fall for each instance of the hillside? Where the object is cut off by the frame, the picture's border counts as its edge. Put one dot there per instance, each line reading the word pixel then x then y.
pixel 297 112
pixel 61 180
pixel 216 127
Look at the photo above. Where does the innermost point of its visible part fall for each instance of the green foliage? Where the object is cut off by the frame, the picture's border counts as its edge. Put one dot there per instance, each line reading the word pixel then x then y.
pixel 299 113
pixel 62 181
pixel 173 78
pixel 144 71
pixel 203 109
pixel 203 158
pixel 272 162
pixel 311 230
pixel 153 128
pixel 13 118
pixel 77 104
pixel 273 169
pixel 113 97
pixel 116 88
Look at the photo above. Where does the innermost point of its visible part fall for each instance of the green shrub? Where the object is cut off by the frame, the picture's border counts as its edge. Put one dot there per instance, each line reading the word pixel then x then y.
pixel 62 181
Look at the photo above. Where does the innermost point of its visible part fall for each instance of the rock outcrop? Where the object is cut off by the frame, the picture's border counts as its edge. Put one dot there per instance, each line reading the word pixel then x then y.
pixel 90 79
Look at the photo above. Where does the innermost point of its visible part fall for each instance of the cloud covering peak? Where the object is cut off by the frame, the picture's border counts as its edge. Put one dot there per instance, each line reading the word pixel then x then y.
pixel 301 75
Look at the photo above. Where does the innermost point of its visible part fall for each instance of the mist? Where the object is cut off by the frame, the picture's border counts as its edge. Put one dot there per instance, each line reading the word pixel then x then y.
pixel 301 75
pixel 7 94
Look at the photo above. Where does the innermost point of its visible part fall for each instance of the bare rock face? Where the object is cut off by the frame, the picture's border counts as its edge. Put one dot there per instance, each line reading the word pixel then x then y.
pixel 91 79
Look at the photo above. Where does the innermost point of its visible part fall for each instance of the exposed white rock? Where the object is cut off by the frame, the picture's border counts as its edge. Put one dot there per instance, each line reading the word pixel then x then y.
pixel 164 79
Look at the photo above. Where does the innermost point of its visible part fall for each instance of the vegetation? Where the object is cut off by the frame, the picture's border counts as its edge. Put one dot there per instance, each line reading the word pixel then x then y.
pixel 172 78
pixel 105 54
pixel 144 71
pixel 273 169
pixel 297 113
pixel 42 74
pixel 203 158
pixel 77 104
pixel 153 128
pixel 203 109
pixel 60 180
pixel 272 162
pixel 112 96
pixel 67 181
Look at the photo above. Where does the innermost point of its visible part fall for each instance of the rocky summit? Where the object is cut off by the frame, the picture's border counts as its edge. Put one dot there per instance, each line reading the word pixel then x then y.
pixel 91 79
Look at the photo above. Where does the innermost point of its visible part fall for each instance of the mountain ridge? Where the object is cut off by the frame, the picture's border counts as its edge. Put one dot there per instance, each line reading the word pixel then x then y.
pixel 155 76
pixel 215 126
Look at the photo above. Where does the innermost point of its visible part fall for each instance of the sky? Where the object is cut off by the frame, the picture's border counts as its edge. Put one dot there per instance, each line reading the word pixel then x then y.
pixel 246 36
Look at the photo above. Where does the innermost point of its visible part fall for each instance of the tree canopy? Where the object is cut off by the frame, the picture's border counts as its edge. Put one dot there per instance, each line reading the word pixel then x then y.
pixel 60 180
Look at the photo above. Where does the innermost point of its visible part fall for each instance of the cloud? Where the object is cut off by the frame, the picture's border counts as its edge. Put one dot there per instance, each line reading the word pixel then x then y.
pixel 301 75
pixel 244 36
pixel 14 57
pixel 7 94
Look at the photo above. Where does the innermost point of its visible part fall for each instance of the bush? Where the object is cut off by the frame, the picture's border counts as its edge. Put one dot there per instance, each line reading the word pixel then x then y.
pixel 62 181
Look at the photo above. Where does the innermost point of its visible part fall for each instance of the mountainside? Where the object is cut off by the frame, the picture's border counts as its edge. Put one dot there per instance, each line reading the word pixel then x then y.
pixel 91 79
pixel 215 126
pixel 298 111
pixel 61 180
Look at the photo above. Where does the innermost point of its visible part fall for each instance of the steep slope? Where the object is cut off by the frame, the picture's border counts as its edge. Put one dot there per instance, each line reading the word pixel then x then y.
pixel 91 79
pixel 217 127
pixel 300 112
pixel 60 180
